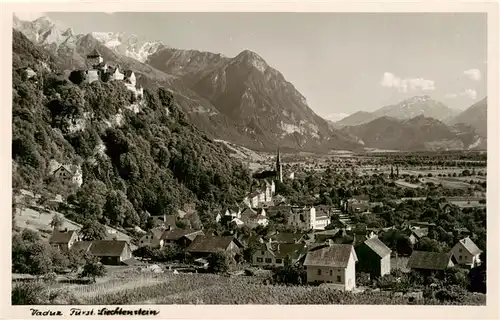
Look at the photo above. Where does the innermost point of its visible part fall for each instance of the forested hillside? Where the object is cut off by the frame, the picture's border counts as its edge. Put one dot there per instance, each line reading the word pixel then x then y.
pixel 136 156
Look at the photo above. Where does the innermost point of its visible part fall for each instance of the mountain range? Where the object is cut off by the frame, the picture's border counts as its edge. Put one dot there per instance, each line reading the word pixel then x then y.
pixel 239 99
pixel 406 109
pixel 418 133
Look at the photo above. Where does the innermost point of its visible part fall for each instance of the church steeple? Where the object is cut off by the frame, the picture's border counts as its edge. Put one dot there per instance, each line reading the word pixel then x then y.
pixel 279 166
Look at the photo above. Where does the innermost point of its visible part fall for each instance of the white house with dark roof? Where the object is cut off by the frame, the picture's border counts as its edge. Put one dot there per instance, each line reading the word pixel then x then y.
pixel 333 264
pixel 466 253
pixel 63 239
pixel 152 238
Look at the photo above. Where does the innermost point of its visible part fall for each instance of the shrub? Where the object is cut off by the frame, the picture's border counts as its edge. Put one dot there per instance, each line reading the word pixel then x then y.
pixel 30 293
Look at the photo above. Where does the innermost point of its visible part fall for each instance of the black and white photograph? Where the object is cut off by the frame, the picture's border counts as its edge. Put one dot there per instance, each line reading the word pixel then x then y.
pixel 249 158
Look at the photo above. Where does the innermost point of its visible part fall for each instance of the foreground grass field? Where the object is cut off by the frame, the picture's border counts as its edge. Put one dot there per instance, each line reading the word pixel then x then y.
pixel 171 288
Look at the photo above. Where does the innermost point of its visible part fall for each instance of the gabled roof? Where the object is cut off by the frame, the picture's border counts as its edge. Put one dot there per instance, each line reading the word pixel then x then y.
pixel 249 240
pixel 176 234
pixel 128 73
pixel 378 247
pixel 81 245
pixel 169 220
pixel 470 246
pixel 94 53
pixel 293 250
pixel 429 260
pixel 156 232
pixel 276 209
pixel 255 193
pixel 61 236
pixel 286 237
pixel 335 255
pixel 210 244
pixel 108 248
pixel 420 233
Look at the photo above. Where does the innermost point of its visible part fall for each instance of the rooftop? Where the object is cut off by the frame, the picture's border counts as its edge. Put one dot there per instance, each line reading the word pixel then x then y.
pixel 335 255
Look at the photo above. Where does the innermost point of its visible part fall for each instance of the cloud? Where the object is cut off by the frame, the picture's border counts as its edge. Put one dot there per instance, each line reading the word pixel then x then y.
pixel 390 80
pixel 469 93
pixel 28 15
pixel 473 74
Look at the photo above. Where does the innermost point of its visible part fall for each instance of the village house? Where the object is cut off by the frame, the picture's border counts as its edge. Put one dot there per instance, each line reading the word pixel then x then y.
pixel 69 174
pixel 63 239
pixel 111 252
pixel 466 253
pixel 28 73
pixel 152 238
pixel 204 245
pixel 284 237
pixel 278 254
pixel 115 73
pixel 182 237
pixel 374 257
pixel 253 218
pixel 333 264
pixel 302 217
pixel 255 199
pixel 81 246
pixel 129 77
pixel 325 235
pixel 416 234
pixel 430 262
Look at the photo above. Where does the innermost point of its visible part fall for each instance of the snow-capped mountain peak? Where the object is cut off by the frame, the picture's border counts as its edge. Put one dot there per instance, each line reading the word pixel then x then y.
pixel 128 44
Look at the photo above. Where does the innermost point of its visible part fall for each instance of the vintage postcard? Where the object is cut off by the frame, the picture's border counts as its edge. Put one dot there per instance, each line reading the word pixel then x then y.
pixel 302 160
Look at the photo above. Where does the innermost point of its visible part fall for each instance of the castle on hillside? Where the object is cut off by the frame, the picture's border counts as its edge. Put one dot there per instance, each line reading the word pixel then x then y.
pixel 97 69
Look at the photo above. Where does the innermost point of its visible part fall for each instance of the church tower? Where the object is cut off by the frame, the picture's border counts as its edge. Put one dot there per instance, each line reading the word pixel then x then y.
pixel 279 167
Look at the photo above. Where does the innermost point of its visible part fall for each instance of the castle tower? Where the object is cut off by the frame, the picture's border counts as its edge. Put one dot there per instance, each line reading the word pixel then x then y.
pixel 279 167
pixel 94 58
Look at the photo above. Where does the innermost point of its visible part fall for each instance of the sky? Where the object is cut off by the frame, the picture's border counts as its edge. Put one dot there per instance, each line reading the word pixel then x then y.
pixel 341 62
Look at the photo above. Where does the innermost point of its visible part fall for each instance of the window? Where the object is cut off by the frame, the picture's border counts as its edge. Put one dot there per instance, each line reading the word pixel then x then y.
pixel 269 260
pixel 339 279
pixel 331 273
pixel 262 253
pixel 460 250
pixel 459 257
pixel 279 260
pixel 319 272
pixel 259 259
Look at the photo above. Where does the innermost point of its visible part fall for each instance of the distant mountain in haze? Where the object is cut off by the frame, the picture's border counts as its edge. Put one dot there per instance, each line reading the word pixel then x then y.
pixel 241 100
pixel 407 109
pixel 356 118
pixel 475 116
pixel 415 134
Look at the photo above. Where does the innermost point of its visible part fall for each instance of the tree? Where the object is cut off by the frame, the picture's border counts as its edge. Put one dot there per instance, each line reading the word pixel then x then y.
pixel 290 274
pixel 56 222
pixel 93 270
pixel 92 230
pixel 218 262
pixel 119 210
pixel 77 76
